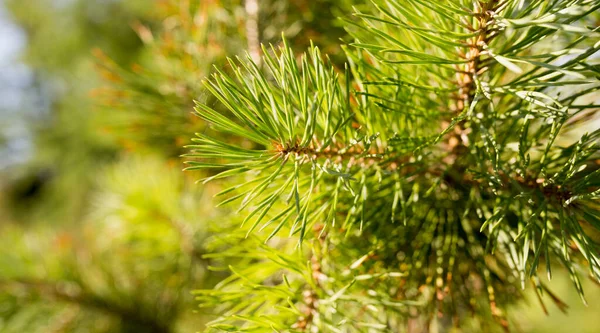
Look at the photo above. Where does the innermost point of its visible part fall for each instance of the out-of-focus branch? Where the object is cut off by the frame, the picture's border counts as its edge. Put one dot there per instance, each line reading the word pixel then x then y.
pixel 252 31
pixel 78 296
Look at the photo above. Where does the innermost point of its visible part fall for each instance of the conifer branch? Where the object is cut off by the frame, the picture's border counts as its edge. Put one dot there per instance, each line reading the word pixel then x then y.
pixel 481 201
pixel 469 73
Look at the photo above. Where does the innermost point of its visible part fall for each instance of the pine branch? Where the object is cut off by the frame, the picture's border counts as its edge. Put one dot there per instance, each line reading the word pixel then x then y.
pixel 452 120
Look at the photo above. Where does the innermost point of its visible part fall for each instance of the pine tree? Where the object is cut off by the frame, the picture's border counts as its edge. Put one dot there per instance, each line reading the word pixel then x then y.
pixel 432 178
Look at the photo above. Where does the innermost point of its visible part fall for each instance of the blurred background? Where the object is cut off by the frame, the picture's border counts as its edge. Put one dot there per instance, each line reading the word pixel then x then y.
pixel 100 231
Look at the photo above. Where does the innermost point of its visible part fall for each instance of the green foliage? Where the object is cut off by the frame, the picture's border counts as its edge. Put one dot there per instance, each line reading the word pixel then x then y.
pixel 445 155
pixel 105 234
pixel 417 177
pixel 129 267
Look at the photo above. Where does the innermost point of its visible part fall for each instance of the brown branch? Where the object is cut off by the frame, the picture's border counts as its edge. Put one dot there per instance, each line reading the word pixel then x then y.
pixel 466 74
pixel 354 155
pixel 310 296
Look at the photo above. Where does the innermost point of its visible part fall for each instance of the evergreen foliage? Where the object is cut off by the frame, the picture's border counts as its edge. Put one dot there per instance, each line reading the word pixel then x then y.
pixel 104 233
pixel 414 166
pixel 130 266
pixel 436 174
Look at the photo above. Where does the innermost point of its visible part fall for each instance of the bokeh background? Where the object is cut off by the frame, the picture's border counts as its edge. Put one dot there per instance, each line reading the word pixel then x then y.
pixel 100 230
